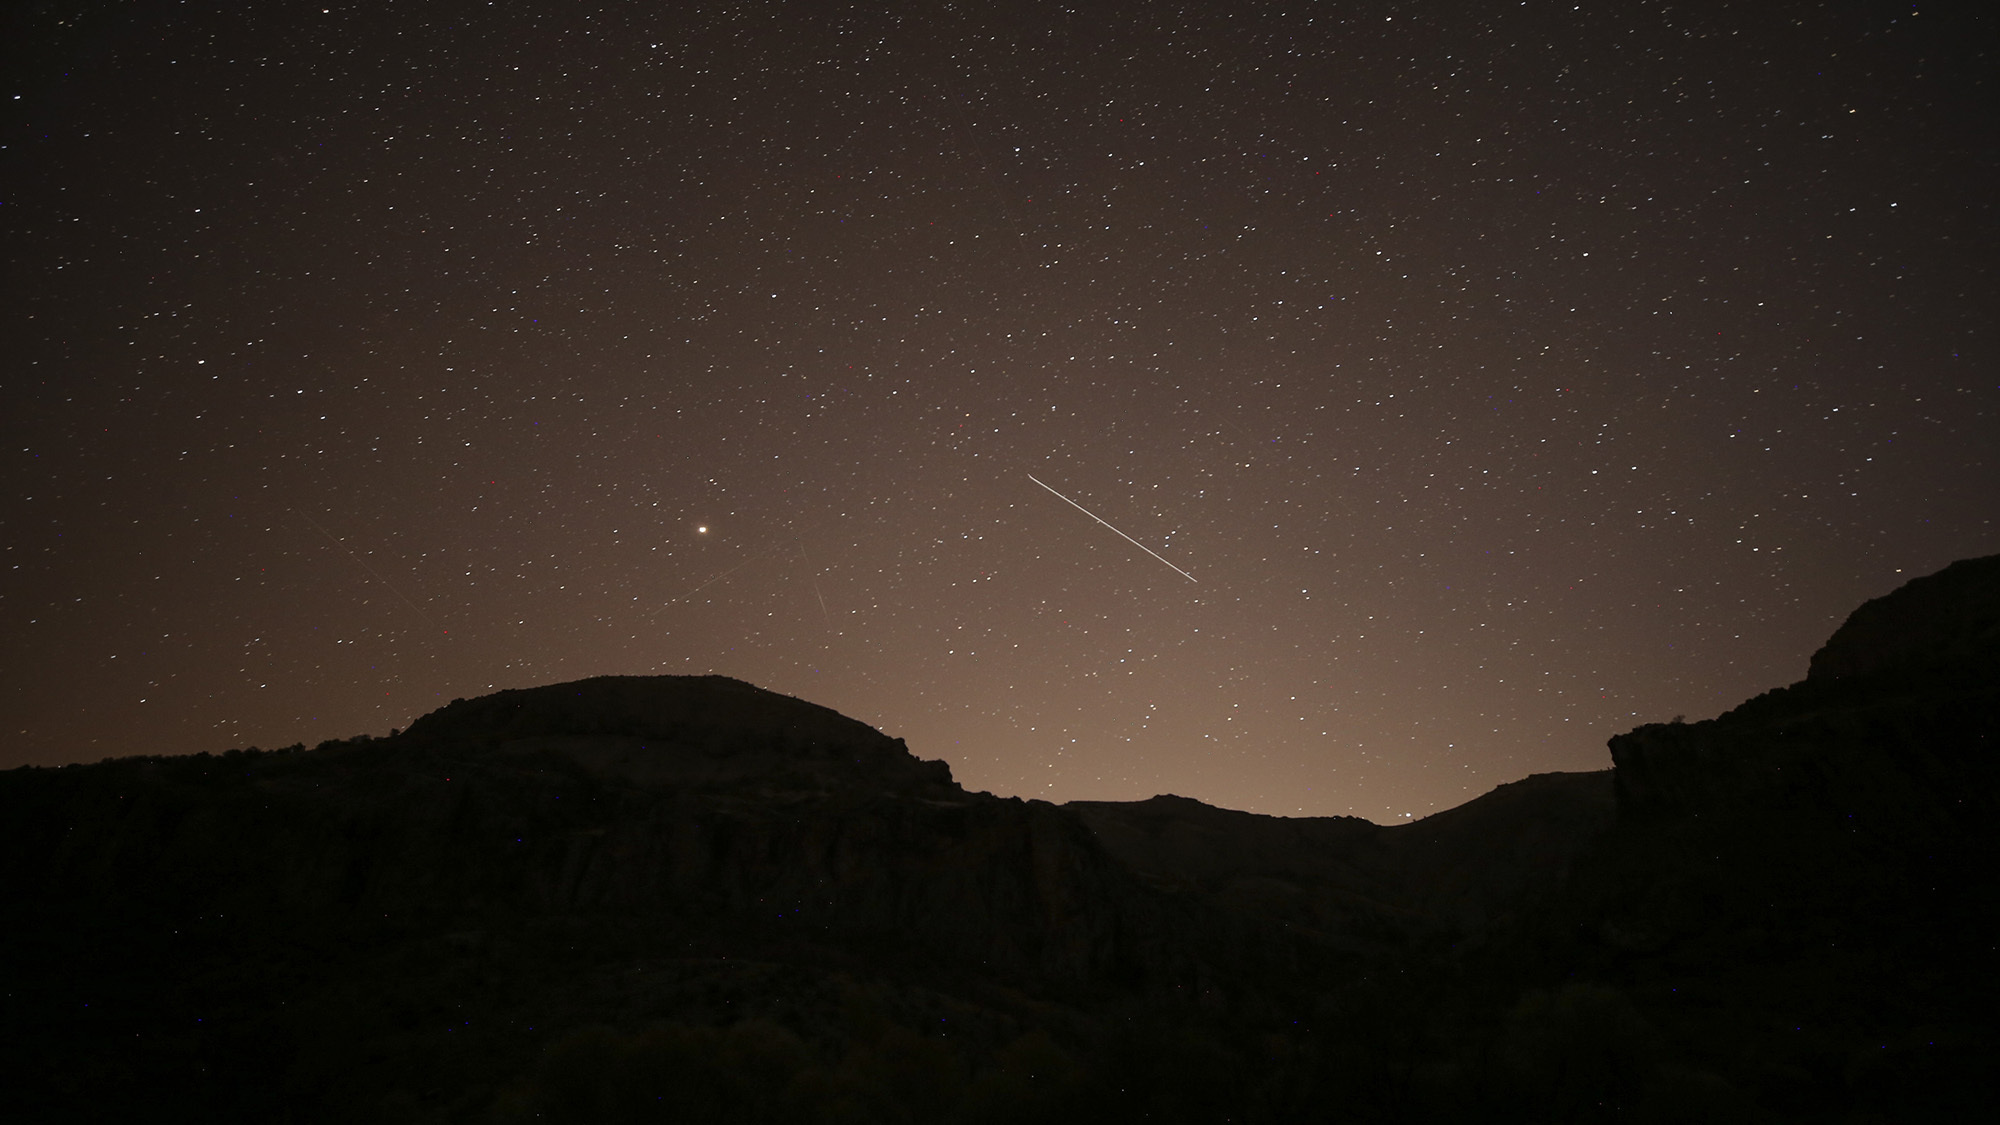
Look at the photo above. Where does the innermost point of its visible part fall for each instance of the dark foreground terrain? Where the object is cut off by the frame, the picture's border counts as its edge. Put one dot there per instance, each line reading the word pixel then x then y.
pixel 687 899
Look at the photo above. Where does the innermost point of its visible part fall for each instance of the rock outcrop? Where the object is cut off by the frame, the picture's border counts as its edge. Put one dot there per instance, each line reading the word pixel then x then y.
pixel 1948 620
pixel 1813 869
pixel 1896 714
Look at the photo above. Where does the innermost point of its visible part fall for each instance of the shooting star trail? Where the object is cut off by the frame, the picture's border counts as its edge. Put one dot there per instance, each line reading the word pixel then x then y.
pixel 814 575
pixel 1121 535
pixel 717 578
pixel 363 564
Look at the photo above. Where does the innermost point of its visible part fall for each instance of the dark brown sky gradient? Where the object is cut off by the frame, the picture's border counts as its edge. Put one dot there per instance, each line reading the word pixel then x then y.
pixel 1505 374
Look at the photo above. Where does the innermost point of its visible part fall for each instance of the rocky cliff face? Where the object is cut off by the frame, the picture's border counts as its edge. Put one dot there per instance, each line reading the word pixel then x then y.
pixel 1814 867
pixel 630 896
pixel 675 832
pixel 701 805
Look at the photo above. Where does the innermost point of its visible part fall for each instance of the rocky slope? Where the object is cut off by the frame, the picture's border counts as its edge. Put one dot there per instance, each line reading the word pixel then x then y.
pixel 647 898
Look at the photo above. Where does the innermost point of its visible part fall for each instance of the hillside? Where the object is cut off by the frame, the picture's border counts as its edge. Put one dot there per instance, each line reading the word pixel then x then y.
pixel 686 898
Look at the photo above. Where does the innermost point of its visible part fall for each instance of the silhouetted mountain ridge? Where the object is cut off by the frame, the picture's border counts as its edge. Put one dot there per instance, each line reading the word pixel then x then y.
pixel 1453 872
pixel 1947 620
pixel 682 728
pixel 630 897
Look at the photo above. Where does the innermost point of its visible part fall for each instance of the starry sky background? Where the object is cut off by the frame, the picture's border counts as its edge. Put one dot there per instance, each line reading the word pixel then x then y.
pixel 1505 374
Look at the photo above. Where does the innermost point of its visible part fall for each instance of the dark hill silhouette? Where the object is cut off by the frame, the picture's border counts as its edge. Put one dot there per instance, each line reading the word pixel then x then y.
pixel 1943 620
pixel 686 898
pixel 679 729
pixel 1456 872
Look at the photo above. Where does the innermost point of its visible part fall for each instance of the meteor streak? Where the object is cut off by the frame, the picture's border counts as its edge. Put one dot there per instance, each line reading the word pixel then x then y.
pixel 814 575
pixel 718 578
pixel 363 564
pixel 1121 535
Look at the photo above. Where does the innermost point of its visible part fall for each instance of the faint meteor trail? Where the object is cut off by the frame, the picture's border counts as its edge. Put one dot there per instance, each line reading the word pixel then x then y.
pixel 764 554
pixel 363 564
pixel 718 578
pixel 814 575
pixel 1121 535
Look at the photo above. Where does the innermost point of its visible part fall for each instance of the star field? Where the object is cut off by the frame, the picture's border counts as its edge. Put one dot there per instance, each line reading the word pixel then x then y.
pixel 1504 375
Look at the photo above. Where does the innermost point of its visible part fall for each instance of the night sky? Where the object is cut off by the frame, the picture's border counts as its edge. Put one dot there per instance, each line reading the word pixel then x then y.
pixel 1505 375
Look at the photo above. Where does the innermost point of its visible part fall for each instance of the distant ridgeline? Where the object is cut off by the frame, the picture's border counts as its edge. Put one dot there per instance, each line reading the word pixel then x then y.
pixel 686 898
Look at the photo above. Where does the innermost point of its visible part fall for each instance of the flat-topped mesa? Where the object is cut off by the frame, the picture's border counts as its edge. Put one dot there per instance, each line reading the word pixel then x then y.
pixel 681 728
